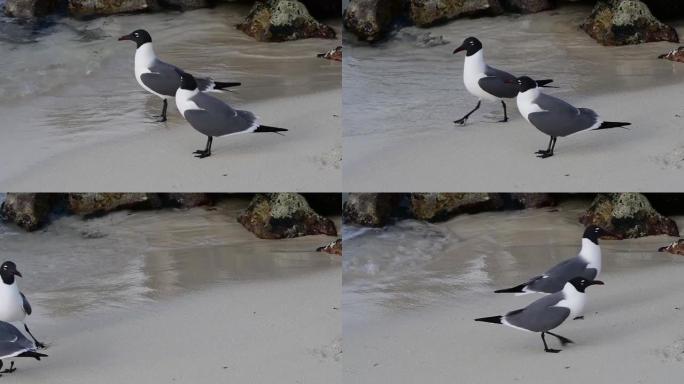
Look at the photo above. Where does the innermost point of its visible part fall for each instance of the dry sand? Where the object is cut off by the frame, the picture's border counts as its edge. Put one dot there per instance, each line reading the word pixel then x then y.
pixel 307 158
pixel 286 331
pixel 489 156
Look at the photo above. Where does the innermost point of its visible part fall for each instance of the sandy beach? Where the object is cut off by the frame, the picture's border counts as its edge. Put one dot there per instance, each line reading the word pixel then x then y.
pixel 305 159
pixel 415 323
pixel 402 137
pixel 177 296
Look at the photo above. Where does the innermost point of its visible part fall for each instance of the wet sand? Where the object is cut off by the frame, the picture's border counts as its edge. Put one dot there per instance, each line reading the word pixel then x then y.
pixel 409 312
pixel 72 107
pixel 177 295
pixel 401 134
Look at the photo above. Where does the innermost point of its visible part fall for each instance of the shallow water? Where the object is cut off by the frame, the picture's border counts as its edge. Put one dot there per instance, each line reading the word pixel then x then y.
pixel 125 259
pixel 69 83
pixel 413 265
pixel 397 87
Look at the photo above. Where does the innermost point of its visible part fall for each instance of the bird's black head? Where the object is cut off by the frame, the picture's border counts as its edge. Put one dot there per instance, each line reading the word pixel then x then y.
pixel 187 80
pixel 471 45
pixel 580 283
pixel 140 37
pixel 7 272
pixel 525 83
pixel 594 232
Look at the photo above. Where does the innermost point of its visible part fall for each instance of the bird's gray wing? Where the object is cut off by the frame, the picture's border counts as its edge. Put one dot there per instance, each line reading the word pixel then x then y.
pixel 27 305
pixel 216 118
pixel 541 315
pixel 555 278
pixel 12 340
pixel 559 118
pixel 498 83
pixel 162 78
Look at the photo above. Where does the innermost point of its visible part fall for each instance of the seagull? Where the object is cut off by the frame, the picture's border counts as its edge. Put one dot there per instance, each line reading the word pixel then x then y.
pixel 554 116
pixel 549 312
pixel 14 344
pixel 160 78
pixel 586 264
pixel 485 82
pixel 212 117
pixel 13 304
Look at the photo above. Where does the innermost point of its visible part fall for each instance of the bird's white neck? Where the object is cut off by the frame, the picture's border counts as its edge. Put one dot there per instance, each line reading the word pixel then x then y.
pixel 186 93
pixel 591 253
pixel 474 64
pixel 573 300
pixel 145 55
pixel 528 96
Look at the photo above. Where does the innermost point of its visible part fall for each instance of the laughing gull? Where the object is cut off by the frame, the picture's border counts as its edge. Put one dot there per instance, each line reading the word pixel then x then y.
pixel 13 303
pixel 554 116
pixel 485 82
pixel 212 117
pixel 160 78
pixel 14 344
pixel 586 264
pixel 548 312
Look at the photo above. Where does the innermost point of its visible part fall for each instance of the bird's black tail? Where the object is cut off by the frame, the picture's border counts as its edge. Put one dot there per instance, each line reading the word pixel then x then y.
pixel 612 124
pixel 222 85
pixel 491 319
pixel 266 128
pixel 516 289
pixel 543 83
pixel 35 355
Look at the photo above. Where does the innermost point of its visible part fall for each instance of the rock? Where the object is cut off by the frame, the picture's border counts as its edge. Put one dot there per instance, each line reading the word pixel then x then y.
pixel 369 209
pixel 621 22
pixel 528 6
pixel 93 204
pixel 442 206
pixel 282 20
pixel 325 203
pixel 30 8
pixel 185 200
pixel 676 247
pixel 334 248
pixel 532 200
pixel 674 55
pixel 324 8
pixel 370 20
pixel 334 54
pixel 29 211
pixel 628 215
pixel 184 5
pixel 284 215
pixel 425 13
pixel 91 8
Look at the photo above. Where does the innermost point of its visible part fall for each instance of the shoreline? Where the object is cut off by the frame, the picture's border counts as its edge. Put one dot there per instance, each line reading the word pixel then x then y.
pixel 243 163
pixel 221 333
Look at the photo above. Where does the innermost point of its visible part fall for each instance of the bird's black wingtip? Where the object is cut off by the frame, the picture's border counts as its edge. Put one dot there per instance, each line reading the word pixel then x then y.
pixel 266 128
pixel 490 319
pixel 517 289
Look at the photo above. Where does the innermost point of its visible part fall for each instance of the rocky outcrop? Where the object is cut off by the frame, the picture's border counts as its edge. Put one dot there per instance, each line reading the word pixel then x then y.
pixel 185 5
pixel 29 211
pixel 284 215
pixel 370 20
pixel 528 6
pixel 185 200
pixel 324 8
pixel 334 54
pixel 674 55
pixel 442 206
pixel 283 20
pixel 532 200
pixel 369 209
pixel 92 8
pixel 628 215
pixel 425 13
pixel 676 247
pixel 334 248
pixel 93 204
pixel 26 9
pixel 621 22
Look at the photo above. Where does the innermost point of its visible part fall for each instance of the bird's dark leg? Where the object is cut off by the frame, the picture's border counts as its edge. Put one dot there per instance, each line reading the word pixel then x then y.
pixel 549 151
pixel 505 119
pixel 563 340
pixel 546 347
pixel 38 343
pixel 8 370
pixel 162 117
pixel 463 119
pixel 201 154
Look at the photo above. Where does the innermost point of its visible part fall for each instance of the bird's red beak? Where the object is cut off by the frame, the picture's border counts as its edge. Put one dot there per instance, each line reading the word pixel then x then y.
pixel 125 37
